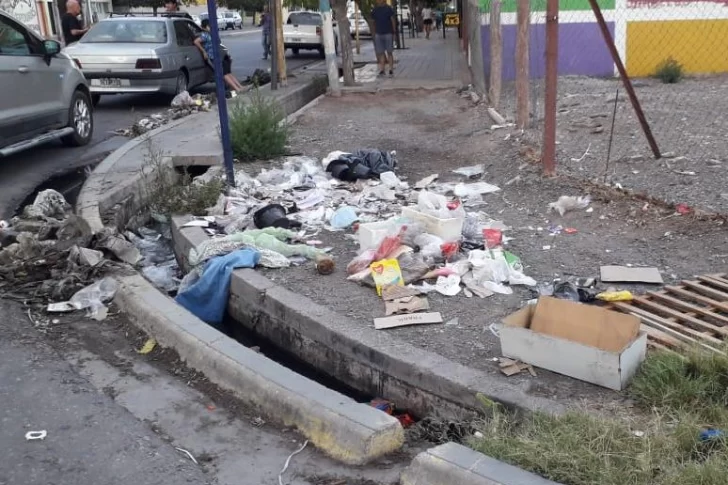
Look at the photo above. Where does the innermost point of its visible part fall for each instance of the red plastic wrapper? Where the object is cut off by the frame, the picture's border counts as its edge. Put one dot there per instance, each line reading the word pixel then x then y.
pixel 389 244
pixel 361 262
pixel 405 420
pixel 683 209
pixel 382 405
pixel 449 250
pixel 453 204
pixel 493 238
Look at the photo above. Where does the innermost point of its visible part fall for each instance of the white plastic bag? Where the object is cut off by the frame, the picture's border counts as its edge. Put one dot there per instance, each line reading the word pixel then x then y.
pixel 568 203
pixel 433 204
pixel 478 188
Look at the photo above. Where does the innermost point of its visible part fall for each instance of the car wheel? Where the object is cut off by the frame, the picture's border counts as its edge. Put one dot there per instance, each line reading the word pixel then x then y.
pixel 181 84
pixel 80 118
pixel 295 52
pixel 322 52
pixel 95 99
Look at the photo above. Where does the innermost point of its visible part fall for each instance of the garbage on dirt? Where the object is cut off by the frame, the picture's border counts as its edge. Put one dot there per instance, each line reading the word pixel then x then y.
pixel 182 105
pixel 409 319
pixel 626 274
pixel 389 407
pixel 567 203
pixel 36 435
pixel 582 341
pixel 511 367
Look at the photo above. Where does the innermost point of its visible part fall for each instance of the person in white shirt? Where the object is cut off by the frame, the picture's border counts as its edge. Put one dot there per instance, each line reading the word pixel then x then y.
pixel 427 21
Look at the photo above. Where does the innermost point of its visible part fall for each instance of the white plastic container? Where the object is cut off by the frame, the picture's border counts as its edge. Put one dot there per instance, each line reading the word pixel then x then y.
pixel 447 229
pixel 371 234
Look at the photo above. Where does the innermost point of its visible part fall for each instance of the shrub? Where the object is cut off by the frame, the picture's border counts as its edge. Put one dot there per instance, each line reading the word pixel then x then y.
pixel 669 71
pixel 257 128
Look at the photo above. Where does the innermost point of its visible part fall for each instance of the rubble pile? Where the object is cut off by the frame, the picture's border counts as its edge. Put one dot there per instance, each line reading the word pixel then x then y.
pixel 182 105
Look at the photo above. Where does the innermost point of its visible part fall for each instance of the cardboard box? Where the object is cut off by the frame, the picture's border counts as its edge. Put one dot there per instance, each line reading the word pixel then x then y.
pixel 582 341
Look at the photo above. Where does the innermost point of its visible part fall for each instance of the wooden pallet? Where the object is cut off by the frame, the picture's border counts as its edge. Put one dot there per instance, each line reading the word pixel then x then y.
pixel 692 313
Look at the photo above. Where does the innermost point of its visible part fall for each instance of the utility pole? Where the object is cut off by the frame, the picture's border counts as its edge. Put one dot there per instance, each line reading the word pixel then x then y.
pixel 227 149
pixel 548 155
pixel 280 47
pixel 273 46
pixel 329 47
pixel 356 26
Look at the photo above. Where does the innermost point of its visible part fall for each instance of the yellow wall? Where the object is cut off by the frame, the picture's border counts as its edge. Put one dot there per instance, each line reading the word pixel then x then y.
pixel 701 46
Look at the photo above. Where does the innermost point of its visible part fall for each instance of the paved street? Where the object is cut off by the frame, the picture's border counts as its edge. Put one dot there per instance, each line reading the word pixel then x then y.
pixel 22 173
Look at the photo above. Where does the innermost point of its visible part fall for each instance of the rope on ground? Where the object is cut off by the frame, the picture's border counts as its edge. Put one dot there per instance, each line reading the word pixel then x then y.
pixel 288 461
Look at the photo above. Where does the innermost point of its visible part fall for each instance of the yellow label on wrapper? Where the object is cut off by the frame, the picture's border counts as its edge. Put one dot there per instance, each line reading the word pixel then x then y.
pixel 385 273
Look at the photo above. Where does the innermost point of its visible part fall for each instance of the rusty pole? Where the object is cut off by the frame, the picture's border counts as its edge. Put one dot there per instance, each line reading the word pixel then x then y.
pixel 625 79
pixel 548 155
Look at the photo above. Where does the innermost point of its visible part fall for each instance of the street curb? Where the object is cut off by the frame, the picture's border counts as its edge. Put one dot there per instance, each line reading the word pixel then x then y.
pixel 367 359
pixel 342 428
pixel 451 463
pixel 98 195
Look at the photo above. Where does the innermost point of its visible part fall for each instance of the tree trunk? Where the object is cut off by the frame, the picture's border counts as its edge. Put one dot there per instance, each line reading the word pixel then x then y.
pixel 347 61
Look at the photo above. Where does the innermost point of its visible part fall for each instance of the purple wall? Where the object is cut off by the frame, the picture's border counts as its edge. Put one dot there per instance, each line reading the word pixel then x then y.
pixel 582 50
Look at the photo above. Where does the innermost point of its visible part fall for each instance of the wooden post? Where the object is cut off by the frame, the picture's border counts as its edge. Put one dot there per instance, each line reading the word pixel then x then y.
pixel 548 154
pixel 356 26
pixel 625 78
pixel 522 73
pixel 280 48
pixel 496 54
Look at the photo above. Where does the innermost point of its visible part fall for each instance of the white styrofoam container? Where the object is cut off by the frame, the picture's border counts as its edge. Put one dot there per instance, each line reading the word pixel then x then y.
pixel 446 229
pixel 612 370
pixel 373 233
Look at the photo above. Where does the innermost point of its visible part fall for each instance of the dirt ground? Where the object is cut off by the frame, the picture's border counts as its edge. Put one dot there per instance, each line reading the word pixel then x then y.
pixel 437 131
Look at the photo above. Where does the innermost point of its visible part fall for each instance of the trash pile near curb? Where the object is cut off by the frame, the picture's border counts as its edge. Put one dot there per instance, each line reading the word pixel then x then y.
pixel 49 254
pixel 182 106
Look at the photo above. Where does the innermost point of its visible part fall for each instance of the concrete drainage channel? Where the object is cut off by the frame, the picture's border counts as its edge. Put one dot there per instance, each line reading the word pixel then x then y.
pixel 349 431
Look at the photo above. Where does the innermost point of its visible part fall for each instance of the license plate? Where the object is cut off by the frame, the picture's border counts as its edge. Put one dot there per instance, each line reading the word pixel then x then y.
pixel 296 39
pixel 110 82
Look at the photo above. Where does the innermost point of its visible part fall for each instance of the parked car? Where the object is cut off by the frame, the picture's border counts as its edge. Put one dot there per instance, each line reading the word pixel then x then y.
pixel 221 22
pixel 363 26
pixel 196 19
pixel 302 31
pixel 141 55
pixel 43 94
pixel 232 20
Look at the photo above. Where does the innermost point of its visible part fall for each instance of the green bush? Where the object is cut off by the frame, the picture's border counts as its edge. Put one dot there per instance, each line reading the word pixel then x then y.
pixel 669 71
pixel 257 128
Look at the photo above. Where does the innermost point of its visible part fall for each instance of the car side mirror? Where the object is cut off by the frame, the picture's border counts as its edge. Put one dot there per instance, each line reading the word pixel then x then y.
pixel 51 47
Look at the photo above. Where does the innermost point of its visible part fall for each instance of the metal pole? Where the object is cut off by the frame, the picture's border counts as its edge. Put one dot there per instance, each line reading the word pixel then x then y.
pixel 625 78
pixel 356 27
pixel 329 47
pixel 227 149
pixel 273 38
pixel 552 59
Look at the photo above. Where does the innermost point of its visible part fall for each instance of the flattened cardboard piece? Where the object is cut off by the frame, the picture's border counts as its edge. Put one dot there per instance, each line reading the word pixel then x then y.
pixel 624 274
pixel 395 292
pixel 411 319
pixel 411 304
pixel 584 324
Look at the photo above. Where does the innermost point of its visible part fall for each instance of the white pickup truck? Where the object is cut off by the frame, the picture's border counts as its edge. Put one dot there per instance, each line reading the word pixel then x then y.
pixel 302 31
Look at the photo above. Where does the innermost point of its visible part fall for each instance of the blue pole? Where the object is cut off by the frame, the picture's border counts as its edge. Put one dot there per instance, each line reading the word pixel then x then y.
pixel 227 149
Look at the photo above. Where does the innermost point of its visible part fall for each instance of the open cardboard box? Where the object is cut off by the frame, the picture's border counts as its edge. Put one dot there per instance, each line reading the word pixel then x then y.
pixel 582 341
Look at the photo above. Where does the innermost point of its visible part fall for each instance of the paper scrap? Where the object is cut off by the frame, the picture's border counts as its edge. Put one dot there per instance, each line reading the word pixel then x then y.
pixel 410 304
pixel 403 320
pixel 147 347
pixel 427 181
pixel 623 274
pixel 197 223
pixel 395 292
pixel 511 367
pixel 63 307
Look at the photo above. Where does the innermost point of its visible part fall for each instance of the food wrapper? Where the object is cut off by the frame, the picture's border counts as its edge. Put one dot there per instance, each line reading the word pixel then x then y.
pixel 386 272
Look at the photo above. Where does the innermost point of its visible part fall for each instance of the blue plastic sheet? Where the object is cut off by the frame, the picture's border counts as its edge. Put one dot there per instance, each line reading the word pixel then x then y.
pixel 207 298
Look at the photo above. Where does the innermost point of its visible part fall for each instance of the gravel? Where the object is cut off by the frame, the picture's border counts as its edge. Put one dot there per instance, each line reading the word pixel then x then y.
pixel 438 131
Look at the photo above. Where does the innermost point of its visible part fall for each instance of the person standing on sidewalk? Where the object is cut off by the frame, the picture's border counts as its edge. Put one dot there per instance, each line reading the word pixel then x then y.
pixel 427 21
pixel 71 26
pixel 385 25
pixel 265 22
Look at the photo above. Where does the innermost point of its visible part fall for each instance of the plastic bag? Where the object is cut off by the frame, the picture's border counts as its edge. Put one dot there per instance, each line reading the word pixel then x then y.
pixel 94 296
pixel 163 276
pixel 449 250
pixel 478 188
pixel 392 181
pixel 343 217
pixel 433 204
pixel 182 99
pixel 448 285
pixel 472 171
pixel 389 244
pixel 413 267
pixel 568 203
pixel 361 262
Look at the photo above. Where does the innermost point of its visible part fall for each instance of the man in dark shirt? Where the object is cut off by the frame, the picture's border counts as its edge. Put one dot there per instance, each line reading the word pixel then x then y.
pixel 385 25
pixel 72 28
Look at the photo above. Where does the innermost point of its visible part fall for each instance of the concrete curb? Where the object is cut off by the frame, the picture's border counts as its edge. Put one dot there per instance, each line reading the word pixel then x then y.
pixel 451 463
pixel 369 360
pixel 344 429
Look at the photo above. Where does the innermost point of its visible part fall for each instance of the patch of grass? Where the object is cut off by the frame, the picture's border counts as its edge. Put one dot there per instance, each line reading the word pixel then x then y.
pixel 257 128
pixel 679 396
pixel 669 71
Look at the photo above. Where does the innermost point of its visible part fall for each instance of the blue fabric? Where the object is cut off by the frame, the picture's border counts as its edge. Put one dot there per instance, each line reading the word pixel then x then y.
pixel 382 15
pixel 206 39
pixel 208 297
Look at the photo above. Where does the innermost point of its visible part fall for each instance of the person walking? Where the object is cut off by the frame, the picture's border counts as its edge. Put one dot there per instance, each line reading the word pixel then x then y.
pixel 204 44
pixel 71 25
pixel 427 21
pixel 266 22
pixel 385 25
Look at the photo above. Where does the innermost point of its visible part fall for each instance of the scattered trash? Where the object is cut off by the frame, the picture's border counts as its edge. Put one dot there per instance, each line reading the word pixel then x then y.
pixel 273 215
pixel 121 248
pixel 386 273
pixel 361 164
pixel 565 291
pixel 147 347
pixel 683 209
pixel 639 434
pixel 91 298
pixel 288 461
pixel 448 285
pixel 568 203
pixel 189 455
pixel 511 367
pixel 470 172
pixel 181 106
pixel 615 296
pixel 257 422
pixel 36 435
pixel 624 274
pixel 410 319
pixel 427 181
pixel 388 407
pixel 409 304
pixel 343 217
pixel 197 223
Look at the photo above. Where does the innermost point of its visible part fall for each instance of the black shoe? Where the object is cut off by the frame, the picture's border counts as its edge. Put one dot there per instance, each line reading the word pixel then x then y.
pixel 381 73
pixel 391 73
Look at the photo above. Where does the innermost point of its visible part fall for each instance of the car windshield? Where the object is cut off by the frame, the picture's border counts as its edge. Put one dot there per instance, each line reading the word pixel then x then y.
pixel 127 31
pixel 305 18
pixel 229 15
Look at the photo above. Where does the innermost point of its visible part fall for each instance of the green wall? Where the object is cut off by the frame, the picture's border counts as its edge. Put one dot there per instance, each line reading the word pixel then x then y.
pixel 540 5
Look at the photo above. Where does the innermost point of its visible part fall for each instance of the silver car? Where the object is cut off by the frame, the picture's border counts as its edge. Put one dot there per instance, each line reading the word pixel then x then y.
pixel 141 55
pixel 43 94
